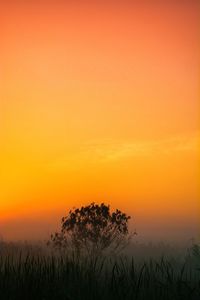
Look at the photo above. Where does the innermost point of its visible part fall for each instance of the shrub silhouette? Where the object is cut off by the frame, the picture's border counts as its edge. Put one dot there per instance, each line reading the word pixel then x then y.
pixel 93 229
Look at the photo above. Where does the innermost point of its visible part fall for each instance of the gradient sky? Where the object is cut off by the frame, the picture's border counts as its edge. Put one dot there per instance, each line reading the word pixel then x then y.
pixel 99 102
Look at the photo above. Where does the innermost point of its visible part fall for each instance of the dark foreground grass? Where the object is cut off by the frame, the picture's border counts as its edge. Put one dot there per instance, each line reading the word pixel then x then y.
pixel 45 277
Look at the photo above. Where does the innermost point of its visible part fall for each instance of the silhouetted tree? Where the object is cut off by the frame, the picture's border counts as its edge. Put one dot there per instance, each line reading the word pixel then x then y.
pixel 93 229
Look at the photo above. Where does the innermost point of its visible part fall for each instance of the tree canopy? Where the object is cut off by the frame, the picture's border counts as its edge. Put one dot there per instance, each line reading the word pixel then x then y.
pixel 93 229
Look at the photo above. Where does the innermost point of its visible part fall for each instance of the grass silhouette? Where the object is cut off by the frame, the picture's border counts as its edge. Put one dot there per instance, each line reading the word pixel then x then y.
pixel 34 274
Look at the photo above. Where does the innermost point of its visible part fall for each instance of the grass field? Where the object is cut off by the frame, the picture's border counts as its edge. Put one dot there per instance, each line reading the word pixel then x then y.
pixel 33 274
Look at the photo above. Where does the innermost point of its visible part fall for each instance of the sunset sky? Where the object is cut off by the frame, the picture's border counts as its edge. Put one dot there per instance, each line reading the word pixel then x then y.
pixel 99 102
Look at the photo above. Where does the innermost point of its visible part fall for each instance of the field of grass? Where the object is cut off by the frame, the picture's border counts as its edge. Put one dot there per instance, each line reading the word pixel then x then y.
pixel 33 274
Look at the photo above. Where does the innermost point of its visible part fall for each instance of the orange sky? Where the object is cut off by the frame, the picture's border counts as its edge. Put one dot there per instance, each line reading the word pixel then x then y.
pixel 99 102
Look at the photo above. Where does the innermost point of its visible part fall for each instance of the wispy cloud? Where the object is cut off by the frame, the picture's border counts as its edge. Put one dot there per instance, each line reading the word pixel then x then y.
pixel 110 150
pixel 114 150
